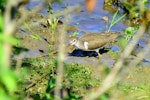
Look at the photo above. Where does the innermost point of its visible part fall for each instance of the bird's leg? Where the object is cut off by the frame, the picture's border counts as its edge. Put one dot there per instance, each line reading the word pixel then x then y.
pixel 99 55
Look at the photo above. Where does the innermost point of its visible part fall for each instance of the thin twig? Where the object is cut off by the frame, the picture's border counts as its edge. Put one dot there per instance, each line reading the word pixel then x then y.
pixel 36 81
pixel 61 58
pixel 9 28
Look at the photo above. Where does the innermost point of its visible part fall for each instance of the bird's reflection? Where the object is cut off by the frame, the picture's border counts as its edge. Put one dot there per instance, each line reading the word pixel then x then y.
pixel 81 53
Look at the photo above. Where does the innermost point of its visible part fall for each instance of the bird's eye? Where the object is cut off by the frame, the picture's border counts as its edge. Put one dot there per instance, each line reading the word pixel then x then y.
pixel 74 40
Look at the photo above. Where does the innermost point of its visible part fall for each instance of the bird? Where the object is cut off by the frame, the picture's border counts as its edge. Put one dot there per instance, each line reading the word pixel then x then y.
pixel 93 41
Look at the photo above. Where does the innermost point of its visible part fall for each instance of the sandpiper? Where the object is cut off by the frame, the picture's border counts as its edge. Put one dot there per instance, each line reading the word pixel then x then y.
pixel 93 41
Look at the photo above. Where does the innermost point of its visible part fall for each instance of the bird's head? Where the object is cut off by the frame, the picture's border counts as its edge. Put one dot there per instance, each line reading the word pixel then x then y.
pixel 73 41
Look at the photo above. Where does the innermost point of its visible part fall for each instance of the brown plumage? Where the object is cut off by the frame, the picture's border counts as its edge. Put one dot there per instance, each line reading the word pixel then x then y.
pixel 94 41
pixel 98 40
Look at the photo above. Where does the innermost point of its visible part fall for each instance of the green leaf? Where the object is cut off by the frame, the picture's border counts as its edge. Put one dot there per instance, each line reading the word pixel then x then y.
pixel 3 95
pixel 122 43
pixel 51 83
pixel 114 16
pixel 8 78
pixel 9 39
pixel 103 97
pixel 36 36
pixel 75 33
pixel 27 26
pixel 120 18
pixel 129 32
pixel 113 22
pixel 1 24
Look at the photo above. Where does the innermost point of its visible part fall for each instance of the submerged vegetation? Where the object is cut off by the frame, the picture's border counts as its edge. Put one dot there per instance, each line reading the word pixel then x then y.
pixel 48 76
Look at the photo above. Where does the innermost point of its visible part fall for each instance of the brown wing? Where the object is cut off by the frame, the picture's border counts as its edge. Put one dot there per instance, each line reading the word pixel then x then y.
pixel 94 44
pixel 99 40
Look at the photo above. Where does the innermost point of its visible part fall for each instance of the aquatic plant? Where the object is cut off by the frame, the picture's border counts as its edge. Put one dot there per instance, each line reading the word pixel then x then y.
pixel 113 22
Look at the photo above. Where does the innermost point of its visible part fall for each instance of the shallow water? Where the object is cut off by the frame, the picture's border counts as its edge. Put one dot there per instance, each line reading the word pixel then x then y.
pixel 84 22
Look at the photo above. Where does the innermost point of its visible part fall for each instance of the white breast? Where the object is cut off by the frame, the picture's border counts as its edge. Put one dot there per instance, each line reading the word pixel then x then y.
pixel 82 45
pixel 86 45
